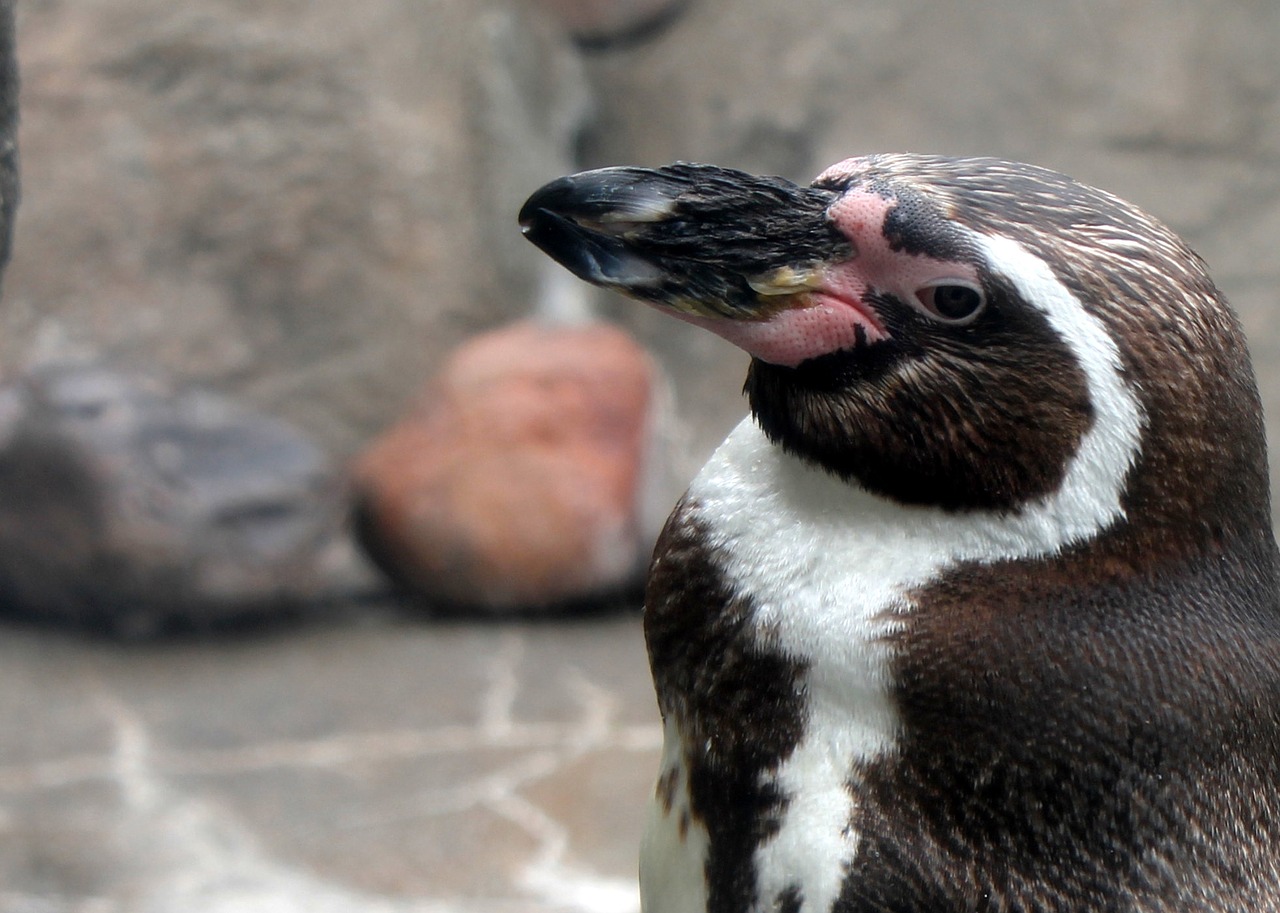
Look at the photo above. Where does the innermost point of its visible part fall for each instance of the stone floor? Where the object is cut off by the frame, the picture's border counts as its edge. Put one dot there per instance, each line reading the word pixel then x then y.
pixel 382 766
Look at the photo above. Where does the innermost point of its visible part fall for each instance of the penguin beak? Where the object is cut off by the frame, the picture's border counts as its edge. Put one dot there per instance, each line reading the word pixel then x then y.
pixel 702 241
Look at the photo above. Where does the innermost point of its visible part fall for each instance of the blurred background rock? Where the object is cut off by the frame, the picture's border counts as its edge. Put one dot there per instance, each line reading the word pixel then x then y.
pixel 302 202
pixel 525 477
pixel 130 507
pixel 306 206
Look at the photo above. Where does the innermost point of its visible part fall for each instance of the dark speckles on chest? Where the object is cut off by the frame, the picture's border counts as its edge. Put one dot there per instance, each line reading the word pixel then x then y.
pixel 665 791
pixel 740 705
pixel 738 708
pixel 672 795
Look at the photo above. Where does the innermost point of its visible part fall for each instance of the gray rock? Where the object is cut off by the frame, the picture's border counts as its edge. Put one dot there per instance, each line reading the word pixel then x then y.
pixel 134 507
pixel 299 203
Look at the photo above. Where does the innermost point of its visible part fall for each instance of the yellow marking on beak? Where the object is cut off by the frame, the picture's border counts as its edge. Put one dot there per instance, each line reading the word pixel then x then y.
pixel 717 310
pixel 785 280
pixel 692 307
pixel 779 289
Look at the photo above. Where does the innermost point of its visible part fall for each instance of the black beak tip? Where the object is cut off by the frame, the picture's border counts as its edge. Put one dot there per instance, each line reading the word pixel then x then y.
pixel 549 231
pixel 541 222
pixel 548 219
pixel 546 200
pixel 530 218
pixel 640 194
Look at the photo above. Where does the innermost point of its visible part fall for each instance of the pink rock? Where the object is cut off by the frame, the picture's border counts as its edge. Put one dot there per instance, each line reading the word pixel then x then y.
pixel 517 481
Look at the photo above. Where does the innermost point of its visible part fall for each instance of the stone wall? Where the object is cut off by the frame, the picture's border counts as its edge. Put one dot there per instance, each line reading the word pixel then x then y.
pixel 301 202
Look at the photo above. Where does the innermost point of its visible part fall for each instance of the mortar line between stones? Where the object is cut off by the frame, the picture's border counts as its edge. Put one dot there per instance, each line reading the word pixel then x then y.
pixel 333 752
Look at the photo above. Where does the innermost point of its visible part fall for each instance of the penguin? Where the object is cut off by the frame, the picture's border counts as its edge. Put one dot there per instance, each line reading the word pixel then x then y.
pixel 977 609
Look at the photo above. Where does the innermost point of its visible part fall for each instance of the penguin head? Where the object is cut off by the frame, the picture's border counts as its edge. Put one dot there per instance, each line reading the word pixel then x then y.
pixel 969 334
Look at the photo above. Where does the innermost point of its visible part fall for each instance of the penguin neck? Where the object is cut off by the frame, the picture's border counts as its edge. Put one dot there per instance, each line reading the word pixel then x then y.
pixel 758 495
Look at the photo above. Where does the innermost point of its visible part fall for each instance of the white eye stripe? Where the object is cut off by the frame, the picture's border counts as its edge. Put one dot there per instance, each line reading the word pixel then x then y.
pixel 1089 497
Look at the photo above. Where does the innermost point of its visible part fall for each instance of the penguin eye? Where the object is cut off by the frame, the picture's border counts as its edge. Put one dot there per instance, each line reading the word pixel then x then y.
pixel 952 301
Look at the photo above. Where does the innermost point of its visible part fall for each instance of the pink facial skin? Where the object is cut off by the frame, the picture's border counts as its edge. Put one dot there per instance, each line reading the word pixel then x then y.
pixel 828 319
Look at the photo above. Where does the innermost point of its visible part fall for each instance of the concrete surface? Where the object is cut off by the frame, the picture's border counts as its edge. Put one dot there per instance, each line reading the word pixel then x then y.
pixel 381 766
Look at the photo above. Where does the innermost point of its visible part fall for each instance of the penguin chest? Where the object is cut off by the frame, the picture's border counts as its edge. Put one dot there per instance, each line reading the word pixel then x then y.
pixel 755 807
pixel 770 637
pixel 778 600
